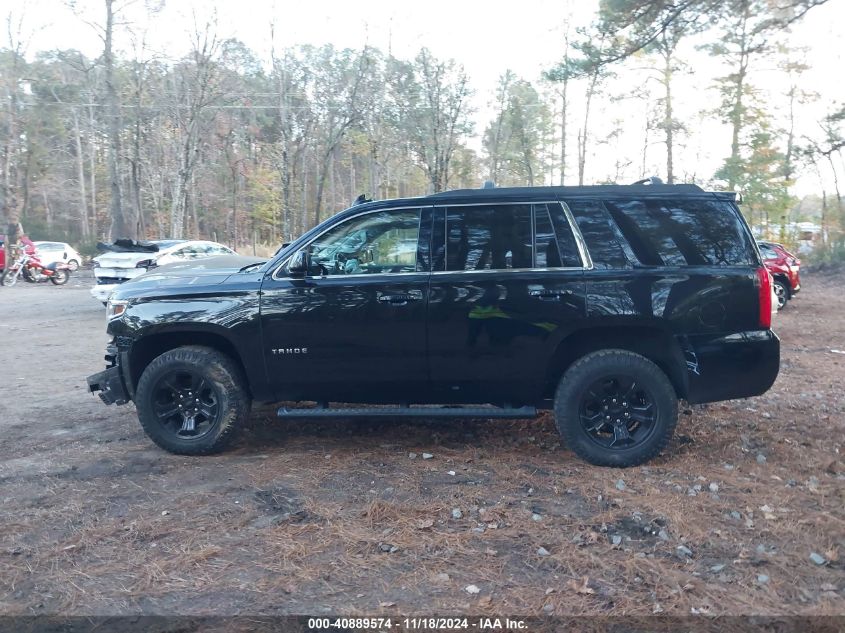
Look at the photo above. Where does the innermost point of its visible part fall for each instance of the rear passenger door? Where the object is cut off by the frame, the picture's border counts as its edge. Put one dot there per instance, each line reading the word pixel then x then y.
pixel 507 285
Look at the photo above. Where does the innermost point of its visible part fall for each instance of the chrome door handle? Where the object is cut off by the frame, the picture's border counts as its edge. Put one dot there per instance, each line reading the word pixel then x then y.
pixel 400 298
pixel 547 294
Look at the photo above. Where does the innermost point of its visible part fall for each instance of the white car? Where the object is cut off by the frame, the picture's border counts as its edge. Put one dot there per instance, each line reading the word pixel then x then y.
pixel 115 267
pixel 49 252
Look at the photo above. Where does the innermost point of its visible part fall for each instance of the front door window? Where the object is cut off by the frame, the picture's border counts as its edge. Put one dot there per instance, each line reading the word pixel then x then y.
pixel 375 243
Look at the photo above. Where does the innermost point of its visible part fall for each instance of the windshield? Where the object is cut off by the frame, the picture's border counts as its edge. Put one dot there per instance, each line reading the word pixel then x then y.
pixel 162 244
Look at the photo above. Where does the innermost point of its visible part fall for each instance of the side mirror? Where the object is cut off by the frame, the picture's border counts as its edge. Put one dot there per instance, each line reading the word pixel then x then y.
pixel 299 264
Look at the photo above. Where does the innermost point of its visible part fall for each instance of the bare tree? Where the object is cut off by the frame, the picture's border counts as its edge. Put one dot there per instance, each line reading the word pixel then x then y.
pixel 195 89
pixel 434 110
pixel 11 78
pixel 123 221
pixel 341 103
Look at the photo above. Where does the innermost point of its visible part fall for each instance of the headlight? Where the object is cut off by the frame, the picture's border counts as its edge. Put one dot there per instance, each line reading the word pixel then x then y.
pixel 115 308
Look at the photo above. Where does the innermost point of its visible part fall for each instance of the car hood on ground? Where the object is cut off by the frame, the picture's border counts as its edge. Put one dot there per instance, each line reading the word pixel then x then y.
pixel 206 271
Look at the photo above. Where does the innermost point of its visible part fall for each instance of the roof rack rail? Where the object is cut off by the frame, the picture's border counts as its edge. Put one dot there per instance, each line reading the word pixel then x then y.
pixel 361 200
pixel 651 180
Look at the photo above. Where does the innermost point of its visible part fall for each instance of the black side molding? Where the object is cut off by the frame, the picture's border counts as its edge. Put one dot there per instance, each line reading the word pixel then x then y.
pixel 322 411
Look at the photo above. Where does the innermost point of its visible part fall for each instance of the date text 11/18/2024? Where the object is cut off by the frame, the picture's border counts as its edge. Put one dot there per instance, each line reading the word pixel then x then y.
pixel 418 624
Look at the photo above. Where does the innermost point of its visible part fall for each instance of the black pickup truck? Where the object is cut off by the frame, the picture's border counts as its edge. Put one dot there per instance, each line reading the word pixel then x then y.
pixel 605 304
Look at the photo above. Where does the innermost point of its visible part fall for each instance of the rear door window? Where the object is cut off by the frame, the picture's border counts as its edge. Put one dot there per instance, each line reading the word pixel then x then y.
pixel 488 237
pixel 682 232
pixel 508 236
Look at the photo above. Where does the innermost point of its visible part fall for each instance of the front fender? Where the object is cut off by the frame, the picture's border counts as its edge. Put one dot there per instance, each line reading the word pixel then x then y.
pixel 226 321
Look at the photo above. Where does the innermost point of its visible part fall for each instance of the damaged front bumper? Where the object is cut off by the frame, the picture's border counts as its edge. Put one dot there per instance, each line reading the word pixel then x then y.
pixel 109 384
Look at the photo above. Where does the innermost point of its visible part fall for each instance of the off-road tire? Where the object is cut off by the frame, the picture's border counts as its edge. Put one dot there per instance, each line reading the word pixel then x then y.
pixel 592 367
pixel 229 386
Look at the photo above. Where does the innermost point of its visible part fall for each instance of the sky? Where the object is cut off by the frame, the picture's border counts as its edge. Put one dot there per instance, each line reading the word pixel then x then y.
pixel 486 38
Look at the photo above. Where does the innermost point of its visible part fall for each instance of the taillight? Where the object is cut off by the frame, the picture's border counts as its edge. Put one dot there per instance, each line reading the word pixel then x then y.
pixel 764 286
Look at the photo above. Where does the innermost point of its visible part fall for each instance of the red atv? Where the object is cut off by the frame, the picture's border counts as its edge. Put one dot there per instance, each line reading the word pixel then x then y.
pixel 784 267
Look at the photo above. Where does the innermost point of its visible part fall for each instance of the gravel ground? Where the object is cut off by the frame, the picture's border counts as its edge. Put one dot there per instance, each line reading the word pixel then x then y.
pixel 743 514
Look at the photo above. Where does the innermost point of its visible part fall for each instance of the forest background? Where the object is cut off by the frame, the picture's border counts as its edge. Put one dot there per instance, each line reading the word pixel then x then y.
pixel 250 123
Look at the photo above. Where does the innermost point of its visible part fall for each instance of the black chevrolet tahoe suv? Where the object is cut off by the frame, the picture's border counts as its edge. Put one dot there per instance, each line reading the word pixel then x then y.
pixel 604 304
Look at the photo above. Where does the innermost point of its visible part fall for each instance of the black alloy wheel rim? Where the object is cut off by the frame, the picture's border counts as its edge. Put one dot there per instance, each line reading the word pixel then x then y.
pixel 185 404
pixel 617 412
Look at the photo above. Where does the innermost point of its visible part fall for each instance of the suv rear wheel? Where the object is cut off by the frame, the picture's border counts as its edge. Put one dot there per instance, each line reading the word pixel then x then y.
pixel 615 408
pixel 192 400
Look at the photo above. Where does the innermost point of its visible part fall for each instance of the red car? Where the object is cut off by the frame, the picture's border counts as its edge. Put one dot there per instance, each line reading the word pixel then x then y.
pixel 28 246
pixel 783 266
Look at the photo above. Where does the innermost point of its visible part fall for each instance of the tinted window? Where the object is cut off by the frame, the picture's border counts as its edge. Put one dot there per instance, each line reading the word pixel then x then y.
pixel 546 251
pixel 554 243
pixel 488 237
pixel 604 242
pixel 381 242
pixel 682 232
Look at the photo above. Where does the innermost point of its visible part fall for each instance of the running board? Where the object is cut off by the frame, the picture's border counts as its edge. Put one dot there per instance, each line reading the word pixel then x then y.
pixel 409 412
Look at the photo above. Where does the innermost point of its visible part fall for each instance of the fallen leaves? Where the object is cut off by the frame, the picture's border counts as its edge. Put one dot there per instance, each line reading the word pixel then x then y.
pixel 581 586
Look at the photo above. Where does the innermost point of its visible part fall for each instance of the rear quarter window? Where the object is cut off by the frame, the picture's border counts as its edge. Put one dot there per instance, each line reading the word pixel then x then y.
pixel 683 232
pixel 600 234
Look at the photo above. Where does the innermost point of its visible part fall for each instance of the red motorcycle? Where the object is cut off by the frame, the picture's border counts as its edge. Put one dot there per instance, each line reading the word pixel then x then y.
pixel 30 268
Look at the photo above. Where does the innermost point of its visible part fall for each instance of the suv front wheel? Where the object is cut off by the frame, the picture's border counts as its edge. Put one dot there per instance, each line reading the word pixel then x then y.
pixel 615 408
pixel 192 400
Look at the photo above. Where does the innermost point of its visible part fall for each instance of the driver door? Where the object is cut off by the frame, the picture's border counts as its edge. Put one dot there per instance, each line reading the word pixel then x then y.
pixel 354 329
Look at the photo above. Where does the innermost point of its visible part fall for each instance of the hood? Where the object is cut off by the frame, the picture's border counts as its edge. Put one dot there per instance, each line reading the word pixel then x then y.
pixel 205 272
pixel 204 266
pixel 123 260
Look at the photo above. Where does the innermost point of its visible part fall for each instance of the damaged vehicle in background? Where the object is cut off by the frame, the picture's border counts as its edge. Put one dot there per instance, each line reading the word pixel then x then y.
pixel 784 268
pixel 126 259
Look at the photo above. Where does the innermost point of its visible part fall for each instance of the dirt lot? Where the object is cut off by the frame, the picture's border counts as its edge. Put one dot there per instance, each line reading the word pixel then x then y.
pixel 349 517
